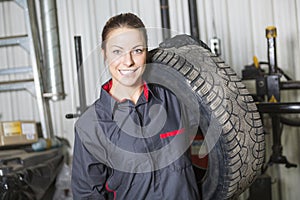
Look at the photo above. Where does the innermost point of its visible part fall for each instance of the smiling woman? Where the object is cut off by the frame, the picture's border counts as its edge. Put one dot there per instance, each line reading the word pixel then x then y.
pixel 132 143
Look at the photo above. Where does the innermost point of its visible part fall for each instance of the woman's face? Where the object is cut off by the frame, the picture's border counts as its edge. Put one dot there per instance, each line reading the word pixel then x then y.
pixel 125 54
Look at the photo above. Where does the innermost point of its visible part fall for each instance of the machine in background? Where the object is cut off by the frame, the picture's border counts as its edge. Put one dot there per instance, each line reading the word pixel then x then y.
pixel 265 86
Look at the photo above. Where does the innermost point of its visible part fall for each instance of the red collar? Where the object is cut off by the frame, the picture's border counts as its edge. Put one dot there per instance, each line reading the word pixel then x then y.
pixel 107 86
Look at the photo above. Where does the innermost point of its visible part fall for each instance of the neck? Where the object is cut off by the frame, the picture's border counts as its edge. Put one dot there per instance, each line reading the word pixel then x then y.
pixel 120 92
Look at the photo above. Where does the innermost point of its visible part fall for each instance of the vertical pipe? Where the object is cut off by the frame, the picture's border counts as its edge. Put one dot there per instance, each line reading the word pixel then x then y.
pixel 165 18
pixel 271 35
pixel 276 156
pixel 277 146
pixel 37 64
pixel 80 74
pixel 193 19
pixel 53 79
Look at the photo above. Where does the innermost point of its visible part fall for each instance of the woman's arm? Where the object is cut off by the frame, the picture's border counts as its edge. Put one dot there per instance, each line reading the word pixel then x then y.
pixel 88 174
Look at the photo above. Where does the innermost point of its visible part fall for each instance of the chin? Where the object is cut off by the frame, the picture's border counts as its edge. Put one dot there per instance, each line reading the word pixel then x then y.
pixel 131 83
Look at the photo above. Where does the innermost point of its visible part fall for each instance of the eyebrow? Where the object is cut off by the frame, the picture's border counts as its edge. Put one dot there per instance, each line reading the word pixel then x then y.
pixel 140 45
pixel 132 47
pixel 117 46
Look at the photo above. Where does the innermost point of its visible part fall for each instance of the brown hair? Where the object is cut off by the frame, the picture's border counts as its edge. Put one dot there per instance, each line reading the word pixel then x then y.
pixel 127 20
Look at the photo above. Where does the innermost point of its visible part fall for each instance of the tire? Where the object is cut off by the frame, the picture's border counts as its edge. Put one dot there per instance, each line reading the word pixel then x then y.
pixel 236 156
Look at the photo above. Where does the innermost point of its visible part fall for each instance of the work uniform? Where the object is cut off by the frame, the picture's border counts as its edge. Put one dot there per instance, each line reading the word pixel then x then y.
pixel 132 151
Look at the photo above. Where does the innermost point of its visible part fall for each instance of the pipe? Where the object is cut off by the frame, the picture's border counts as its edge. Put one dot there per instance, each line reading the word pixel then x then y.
pixel 290 85
pixel 53 78
pixel 193 19
pixel 165 19
pixel 37 65
pixel 279 107
pixel 271 35
pixel 290 122
pixel 80 74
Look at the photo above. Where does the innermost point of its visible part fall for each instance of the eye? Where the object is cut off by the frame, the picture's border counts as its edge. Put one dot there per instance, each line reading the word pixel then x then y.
pixel 138 51
pixel 117 51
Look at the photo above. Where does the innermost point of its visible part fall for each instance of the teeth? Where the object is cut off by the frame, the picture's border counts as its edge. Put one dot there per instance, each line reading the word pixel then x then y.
pixel 126 72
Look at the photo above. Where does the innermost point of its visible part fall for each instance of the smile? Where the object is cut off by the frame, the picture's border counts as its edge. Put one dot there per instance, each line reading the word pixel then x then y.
pixel 127 71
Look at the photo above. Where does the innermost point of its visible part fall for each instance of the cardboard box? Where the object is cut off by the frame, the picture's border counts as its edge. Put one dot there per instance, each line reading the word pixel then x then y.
pixel 18 133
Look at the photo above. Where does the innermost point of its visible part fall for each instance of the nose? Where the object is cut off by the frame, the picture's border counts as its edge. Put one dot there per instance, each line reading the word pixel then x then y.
pixel 128 60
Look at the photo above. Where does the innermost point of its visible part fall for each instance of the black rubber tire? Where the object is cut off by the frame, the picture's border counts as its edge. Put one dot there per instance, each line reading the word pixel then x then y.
pixel 238 155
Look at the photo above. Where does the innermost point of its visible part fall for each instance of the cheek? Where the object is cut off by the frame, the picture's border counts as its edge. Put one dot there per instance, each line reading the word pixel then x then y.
pixel 113 61
pixel 112 66
pixel 140 60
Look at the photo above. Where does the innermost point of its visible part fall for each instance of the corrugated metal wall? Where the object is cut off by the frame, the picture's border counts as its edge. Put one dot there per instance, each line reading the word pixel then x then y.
pixel 240 24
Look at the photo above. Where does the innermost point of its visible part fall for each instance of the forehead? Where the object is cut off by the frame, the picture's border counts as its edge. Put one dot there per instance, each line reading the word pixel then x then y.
pixel 125 37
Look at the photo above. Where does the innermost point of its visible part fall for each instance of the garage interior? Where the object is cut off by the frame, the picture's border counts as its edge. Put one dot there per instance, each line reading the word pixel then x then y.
pixel 259 40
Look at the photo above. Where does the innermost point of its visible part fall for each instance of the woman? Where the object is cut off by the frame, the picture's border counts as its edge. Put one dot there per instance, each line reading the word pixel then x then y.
pixel 131 143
